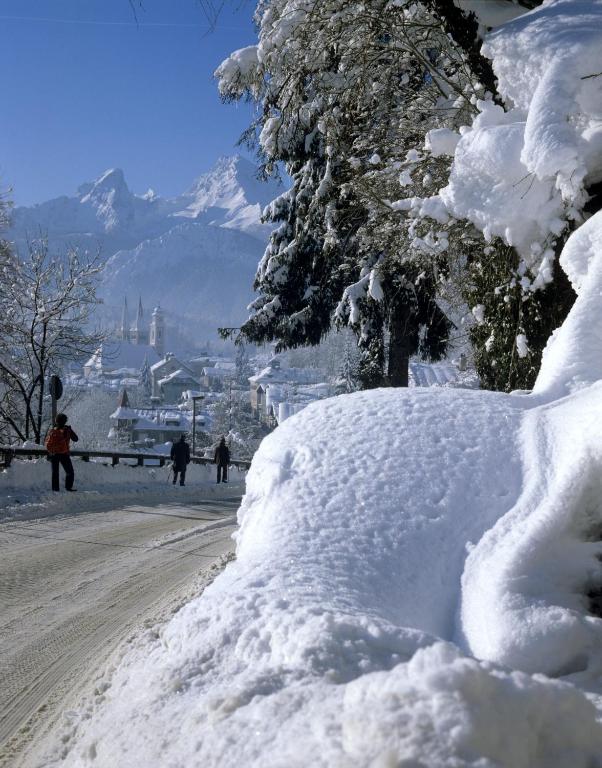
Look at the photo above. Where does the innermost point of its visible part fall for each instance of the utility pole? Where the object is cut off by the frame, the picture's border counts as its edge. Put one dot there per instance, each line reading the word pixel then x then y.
pixel 230 405
pixel 56 391
pixel 194 402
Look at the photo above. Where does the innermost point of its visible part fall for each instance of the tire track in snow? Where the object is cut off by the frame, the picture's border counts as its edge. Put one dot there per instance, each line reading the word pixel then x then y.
pixel 72 589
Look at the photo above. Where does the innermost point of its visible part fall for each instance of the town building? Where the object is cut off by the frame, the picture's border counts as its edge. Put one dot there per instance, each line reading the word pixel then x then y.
pixel 172 387
pixel 115 361
pixel 161 372
pixel 141 333
pixel 276 375
pixel 146 427
pixel 157 331
pixel 215 377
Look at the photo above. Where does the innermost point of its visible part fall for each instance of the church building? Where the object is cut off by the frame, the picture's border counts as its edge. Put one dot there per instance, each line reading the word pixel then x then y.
pixel 141 334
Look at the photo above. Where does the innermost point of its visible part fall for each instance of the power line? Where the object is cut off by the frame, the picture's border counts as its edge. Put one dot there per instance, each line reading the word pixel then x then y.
pixel 100 23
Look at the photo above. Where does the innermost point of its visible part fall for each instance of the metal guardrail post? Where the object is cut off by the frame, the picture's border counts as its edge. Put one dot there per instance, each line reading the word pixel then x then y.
pixel 8 453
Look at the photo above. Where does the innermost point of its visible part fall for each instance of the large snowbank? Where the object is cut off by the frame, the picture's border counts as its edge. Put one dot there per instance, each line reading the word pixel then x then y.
pixel 573 357
pixel 385 538
pixel 323 643
pixel 413 567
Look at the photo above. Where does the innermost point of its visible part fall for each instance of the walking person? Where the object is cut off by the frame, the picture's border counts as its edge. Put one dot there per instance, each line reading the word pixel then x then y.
pixel 222 459
pixel 58 444
pixel 180 455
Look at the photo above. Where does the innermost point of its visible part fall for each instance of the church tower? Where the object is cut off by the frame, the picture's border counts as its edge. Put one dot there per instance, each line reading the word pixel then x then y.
pixel 139 334
pixel 124 330
pixel 157 332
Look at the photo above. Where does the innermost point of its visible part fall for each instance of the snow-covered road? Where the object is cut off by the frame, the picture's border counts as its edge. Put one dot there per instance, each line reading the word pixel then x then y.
pixel 73 587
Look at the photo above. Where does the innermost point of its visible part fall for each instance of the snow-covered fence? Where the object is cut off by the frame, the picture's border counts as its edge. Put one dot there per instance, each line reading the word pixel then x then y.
pixel 8 453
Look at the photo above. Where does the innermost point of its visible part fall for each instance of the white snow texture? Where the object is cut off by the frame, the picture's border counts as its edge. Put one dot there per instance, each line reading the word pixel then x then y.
pixel 412 568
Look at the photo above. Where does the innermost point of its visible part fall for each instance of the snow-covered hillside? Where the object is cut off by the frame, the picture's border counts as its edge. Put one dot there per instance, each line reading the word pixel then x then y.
pixel 418 578
pixel 199 271
pixel 190 253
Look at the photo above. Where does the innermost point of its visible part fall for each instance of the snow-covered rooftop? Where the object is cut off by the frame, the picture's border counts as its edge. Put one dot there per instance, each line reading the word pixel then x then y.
pixel 147 425
pixel 179 376
pixel 216 373
pixel 125 414
pixel 279 375
pixel 121 357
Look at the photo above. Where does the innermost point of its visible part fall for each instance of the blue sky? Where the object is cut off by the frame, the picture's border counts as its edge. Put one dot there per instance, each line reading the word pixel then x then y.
pixel 84 88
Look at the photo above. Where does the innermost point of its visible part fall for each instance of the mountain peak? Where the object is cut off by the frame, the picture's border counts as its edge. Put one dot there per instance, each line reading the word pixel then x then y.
pixel 232 183
pixel 113 178
pixel 234 162
pixel 111 198
pixel 229 195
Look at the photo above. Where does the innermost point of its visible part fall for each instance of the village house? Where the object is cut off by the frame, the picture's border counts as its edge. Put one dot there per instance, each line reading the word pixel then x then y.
pixel 215 377
pixel 146 426
pixel 283 402
pixel 172 386
pixel 161 373
pixel 282 380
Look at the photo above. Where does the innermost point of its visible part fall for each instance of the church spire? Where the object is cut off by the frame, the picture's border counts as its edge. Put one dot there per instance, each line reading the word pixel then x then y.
pixel 139 334
pixel 125 321
pixel 139 316
pixel 124 401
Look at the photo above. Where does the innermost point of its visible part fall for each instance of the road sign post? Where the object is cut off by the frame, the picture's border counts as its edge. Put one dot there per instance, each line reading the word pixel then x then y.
pixel 56 392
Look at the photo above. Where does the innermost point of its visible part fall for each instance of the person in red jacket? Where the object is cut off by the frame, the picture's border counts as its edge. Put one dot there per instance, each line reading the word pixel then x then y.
pixel 57 445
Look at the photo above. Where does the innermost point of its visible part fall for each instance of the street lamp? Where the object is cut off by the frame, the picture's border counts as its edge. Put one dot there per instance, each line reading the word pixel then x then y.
pixel 194 401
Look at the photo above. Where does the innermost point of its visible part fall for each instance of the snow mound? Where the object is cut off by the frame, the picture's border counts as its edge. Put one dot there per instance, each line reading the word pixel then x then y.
pixel 524 587
pixel 375 526
pixel 572 358
pixel 349 560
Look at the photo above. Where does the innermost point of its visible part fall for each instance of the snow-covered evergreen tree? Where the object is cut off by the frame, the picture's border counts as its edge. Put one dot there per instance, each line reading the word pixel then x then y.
pixel 347 93
pixel 364 104
pixel 243 366
pixel 349 373
pixel 145 378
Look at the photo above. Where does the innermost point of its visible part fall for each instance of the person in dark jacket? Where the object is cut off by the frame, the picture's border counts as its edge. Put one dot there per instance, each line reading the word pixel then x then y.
pixel 180 455
pixel 58 445
pixel 222 459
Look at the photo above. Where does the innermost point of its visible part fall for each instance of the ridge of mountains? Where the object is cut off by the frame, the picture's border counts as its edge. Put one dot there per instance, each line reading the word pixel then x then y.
pixel 195 254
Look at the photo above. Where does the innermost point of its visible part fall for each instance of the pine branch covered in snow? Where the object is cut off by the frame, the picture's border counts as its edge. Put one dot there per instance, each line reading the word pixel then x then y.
pixel 348 93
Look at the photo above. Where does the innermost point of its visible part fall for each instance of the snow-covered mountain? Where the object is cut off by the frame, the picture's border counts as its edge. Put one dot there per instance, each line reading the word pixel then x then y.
pixel 230 195
pixel 194 253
